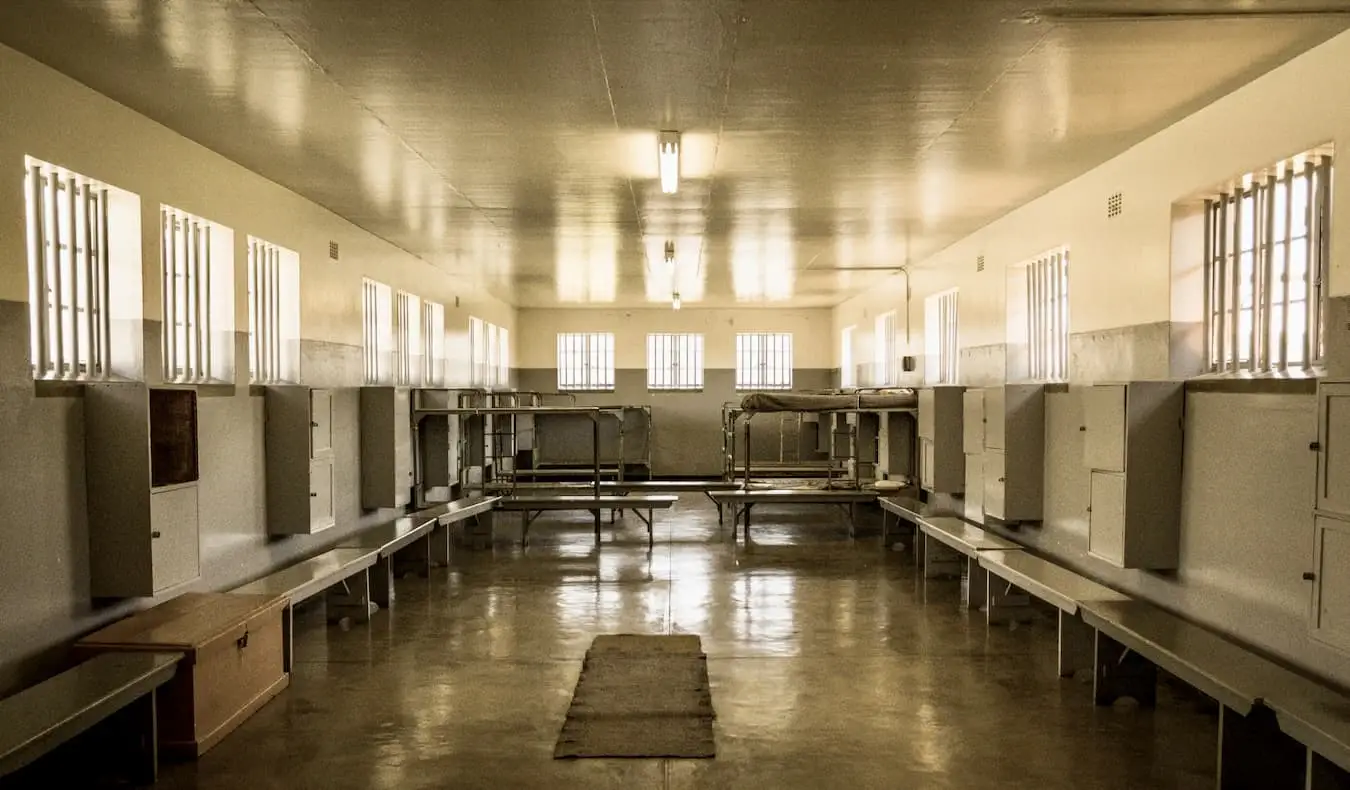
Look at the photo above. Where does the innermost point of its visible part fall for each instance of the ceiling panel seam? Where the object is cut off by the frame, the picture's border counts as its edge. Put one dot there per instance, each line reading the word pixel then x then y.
pixel 736 22
pixel 368 111
pixel 614 113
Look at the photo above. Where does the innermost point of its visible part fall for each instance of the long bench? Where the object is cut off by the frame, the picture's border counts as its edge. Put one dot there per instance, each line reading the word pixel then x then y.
pixel 909 510
pixel 742 501
pixel 114 687
pixel 344 574
pixel 1276 728
pixel 388 541
pixel 533 506
pixel 1056 585
pixel 952 547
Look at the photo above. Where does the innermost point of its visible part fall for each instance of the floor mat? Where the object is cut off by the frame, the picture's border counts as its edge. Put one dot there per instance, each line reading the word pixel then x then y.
pixel 640 696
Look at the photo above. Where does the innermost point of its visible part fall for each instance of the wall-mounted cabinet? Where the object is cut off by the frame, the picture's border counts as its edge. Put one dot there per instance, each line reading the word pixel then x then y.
pixel 386 447
pixel 1014 452
pixel 1330 577
pixel 942 462
pixel 972 445
pixel 299 438
pixel 141 473
pixel 1132 449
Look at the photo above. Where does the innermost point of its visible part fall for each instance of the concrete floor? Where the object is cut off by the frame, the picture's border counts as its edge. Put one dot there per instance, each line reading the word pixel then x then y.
pixel 831 666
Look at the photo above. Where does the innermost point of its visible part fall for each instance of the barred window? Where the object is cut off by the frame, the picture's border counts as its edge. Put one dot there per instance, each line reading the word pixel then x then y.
pixel 764 361
pixel 197 264
pixel 503 357
pixel 273 313
pixel 848 370
pixel 1267 245
pixel 940 337
pixel 433 331
pixel 407 339
pixel 883 372
pixel 674 361
pixel 585 361
pixel 377 331
pixel 1048 316
pixel 67 273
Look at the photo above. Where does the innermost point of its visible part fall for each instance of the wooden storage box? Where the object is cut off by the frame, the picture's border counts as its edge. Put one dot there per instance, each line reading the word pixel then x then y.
pixel 232 662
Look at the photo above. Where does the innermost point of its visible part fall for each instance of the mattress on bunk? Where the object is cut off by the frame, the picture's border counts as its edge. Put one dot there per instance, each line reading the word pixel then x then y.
pixel 803 401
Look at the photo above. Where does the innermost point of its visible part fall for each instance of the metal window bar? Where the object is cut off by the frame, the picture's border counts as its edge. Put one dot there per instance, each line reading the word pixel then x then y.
pixel 264 312
pixel 1251 238
pixel 1048 316
pixel 585 361
pixel 375 310
pixel 503 357
pixel 186 298
pixel 947 338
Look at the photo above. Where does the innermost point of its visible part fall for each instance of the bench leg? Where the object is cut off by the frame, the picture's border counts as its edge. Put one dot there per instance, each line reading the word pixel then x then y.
pixel 440 545
pixel 1323 774
pixel 940 560
pixel 1005 603
pixel 131 744
pixel 746 510
pixel 974 584
pixel 382 582
pixel 596 514
pixel 1121 672
pixel 288 638
pixel 1254 754
pixel 1076 644
pixel 350 598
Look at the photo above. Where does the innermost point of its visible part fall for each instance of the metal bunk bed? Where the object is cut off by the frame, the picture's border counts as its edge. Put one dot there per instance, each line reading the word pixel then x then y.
pixel 848 428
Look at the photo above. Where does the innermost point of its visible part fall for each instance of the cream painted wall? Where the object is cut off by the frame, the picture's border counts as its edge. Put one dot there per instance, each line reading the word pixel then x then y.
pixel 53 118
pixel 1121 269
pixel 812 345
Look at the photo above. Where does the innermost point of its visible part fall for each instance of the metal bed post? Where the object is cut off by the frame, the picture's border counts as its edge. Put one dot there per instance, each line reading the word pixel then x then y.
pixel 595 455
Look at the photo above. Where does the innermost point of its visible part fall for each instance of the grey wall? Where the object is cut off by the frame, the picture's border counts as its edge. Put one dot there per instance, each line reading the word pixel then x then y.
pixel 686 426
pixel 43 530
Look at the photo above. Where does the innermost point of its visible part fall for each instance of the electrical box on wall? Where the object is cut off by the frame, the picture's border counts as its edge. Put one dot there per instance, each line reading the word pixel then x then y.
pixel 1132 449
pixel 141 472
pixel 942 464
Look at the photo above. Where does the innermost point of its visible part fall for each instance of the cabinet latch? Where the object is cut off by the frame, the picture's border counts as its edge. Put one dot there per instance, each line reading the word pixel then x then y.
pixel 242 642
pixel 1315 446
pixel 1309 576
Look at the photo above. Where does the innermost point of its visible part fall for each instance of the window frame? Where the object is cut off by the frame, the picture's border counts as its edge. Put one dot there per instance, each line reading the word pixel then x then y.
pixel 434 343
pixel 1047 315
pixel 1249 340
pixel 273 296
pixel 578 353
pixel 675 361
pixel 883 349
pixel 408 365
pixel 764 361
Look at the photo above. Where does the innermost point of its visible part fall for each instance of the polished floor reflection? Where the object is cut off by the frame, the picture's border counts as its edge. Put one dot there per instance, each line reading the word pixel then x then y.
pixel 831 666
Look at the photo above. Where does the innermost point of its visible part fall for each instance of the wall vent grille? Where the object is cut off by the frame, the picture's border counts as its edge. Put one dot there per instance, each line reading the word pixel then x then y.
pixel 332 250
pixel 1115 205
pixel 979 264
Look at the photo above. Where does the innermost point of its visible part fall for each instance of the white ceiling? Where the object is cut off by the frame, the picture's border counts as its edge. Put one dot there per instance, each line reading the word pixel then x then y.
pixel 514 141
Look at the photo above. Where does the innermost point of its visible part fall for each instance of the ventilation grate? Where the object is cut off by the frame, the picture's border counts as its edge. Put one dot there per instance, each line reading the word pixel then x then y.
pixel 332 250
pixel 979 264
pixel 1114 205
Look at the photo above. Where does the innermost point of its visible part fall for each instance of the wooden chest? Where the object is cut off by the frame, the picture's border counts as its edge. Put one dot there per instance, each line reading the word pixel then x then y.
pixel 232 664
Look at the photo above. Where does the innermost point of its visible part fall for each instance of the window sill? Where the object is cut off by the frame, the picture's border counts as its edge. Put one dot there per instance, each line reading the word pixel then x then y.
pixel 72 388
pixel 1292 383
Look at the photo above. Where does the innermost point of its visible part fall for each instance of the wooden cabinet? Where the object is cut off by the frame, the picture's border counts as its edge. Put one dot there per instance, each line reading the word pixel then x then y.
pixel 299 439
pixel 1133 450
pixel 942 463
pixel 1333 445
pixel 386 447
pixel 140 447
pixel 231 665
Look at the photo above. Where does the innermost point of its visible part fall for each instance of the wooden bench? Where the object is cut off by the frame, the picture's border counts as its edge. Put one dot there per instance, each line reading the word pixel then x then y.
pixel 388 542
pixel 742 501
pixel 949 546
pixel 343 573
pixel 1276 728
pixel 1056 585
pixel 532 507
pixel 118 686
